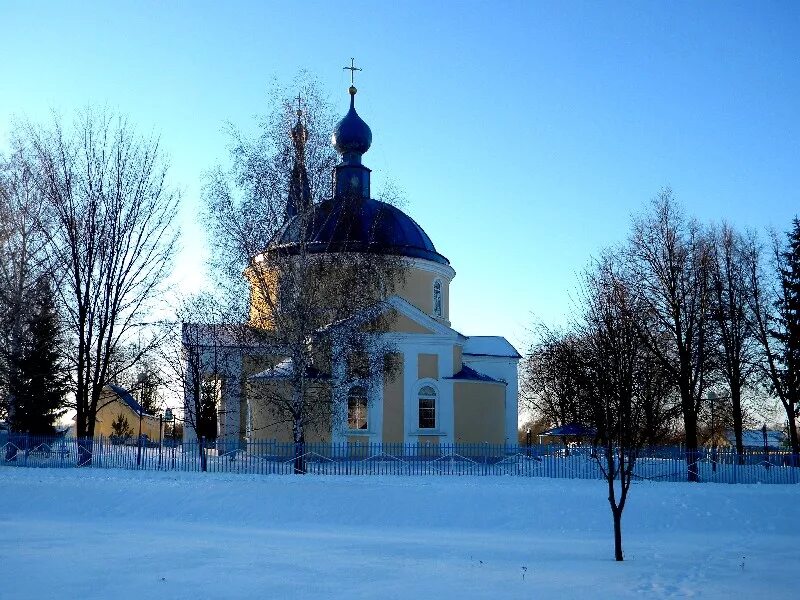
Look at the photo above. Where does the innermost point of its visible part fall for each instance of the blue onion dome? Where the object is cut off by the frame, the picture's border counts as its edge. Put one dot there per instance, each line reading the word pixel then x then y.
pixel 351 135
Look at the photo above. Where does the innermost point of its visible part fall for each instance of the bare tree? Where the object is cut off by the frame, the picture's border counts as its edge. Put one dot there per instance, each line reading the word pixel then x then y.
pixel 106 189
pixel 628 392
pixel 669 261
pixel 733 337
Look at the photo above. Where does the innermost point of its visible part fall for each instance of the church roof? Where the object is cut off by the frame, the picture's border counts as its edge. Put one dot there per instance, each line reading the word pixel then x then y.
pixel 366 226
pixel 127 398
pixel 490 345
pixel 469 374
pixel 285 370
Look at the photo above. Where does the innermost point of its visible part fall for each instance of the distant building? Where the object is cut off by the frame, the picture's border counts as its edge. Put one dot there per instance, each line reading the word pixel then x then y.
pixel 115 401
pixel 753 439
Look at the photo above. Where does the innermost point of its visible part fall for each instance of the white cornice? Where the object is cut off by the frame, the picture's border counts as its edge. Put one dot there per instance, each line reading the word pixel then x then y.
pixel 432 267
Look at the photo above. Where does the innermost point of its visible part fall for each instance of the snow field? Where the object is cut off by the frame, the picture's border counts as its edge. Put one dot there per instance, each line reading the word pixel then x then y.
pixel 87 534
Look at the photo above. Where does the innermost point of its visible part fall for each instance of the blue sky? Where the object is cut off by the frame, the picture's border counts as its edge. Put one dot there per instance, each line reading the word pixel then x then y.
pixel 524 134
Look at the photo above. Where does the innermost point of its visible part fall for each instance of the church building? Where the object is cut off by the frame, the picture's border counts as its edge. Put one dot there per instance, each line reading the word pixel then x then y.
pixel 446 387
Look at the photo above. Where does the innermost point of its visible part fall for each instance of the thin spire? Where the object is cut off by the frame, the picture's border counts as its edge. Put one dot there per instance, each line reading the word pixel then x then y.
pixel 299 190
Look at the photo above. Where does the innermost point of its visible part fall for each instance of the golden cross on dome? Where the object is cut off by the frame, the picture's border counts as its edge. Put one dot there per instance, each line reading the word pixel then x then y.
pixel 352 68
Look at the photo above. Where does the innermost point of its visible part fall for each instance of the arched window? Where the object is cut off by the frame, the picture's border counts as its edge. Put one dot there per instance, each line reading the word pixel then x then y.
pixel 437 297
pixel 357 408
pixel 427 407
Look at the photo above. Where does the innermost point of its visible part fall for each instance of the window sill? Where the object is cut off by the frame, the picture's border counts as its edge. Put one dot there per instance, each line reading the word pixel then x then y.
pixel 419 432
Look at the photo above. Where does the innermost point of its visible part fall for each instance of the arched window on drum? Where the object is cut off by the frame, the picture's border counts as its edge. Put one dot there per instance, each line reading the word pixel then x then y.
pixel 437 298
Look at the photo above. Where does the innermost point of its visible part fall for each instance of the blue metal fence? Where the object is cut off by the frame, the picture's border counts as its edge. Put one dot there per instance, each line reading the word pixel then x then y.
pixel 270 457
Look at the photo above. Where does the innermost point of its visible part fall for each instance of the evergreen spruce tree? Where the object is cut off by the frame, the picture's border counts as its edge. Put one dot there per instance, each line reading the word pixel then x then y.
pixel 787 331
pixel 121 430
pixel 39 383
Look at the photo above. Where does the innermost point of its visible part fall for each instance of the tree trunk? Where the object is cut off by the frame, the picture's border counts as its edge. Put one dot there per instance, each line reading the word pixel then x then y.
pixel 793 439
pixel 299 451
pixel 736 400
pixel 692 445
pixel 299 445
pixel 617 533
pixel 201 448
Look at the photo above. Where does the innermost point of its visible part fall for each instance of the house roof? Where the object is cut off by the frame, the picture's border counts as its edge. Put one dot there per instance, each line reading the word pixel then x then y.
pixel 127 398
pixel 490 345
pixel 571 429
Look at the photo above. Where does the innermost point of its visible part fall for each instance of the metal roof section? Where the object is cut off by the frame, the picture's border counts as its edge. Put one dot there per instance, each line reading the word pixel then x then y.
pixel 469 374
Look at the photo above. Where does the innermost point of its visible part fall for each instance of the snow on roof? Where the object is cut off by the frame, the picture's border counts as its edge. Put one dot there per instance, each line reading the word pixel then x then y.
pixel 754 438
pixel 285 370
pixel 490 345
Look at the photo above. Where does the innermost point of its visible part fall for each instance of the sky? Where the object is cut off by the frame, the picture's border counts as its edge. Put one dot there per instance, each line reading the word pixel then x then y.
pixel 524 134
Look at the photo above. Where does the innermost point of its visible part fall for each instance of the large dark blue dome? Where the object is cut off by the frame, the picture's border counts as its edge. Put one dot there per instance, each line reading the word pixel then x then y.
pixel 365 225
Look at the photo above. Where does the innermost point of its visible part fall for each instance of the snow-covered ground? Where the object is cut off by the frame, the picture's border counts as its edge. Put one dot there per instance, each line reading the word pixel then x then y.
pixel 86 534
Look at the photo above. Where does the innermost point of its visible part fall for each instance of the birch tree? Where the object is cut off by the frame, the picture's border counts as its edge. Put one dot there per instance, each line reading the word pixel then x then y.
pixel 311 306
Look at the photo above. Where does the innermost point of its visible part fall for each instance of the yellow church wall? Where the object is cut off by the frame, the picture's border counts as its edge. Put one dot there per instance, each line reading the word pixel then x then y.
pixel 402 324
pixel 479 413
pixel 457 359
pixel 428 366
pixel 267 423
pixel 393 401
pixel 417 288
pixel 263 284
